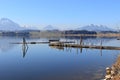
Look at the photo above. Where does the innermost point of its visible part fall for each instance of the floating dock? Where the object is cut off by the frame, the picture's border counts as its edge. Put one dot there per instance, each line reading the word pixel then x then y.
pixel 40 42
pixel 60 44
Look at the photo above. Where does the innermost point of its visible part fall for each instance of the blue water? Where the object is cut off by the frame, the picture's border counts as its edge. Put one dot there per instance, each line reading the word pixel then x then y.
pixel 42 62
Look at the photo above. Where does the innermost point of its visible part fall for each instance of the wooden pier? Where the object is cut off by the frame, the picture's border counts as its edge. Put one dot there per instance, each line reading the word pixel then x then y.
pixel 42 42
pixel 60 44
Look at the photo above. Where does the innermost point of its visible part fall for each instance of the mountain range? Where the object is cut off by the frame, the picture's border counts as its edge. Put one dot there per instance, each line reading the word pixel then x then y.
pixel 97 28
pixel 9 25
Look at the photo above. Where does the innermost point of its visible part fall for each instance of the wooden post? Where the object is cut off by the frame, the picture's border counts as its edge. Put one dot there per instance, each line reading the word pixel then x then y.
pixel 101 44
pixel 81 50
pixel 81 41
pixel 24 47
pixel 81 44
pixel 101 47
pixel 24 40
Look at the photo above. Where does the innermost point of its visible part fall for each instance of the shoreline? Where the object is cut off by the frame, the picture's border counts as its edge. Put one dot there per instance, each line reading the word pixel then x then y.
pixel 96 35
pixel 113 72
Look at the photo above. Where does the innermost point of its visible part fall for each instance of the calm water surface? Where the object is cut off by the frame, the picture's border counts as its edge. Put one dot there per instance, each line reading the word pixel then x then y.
pixel 42 62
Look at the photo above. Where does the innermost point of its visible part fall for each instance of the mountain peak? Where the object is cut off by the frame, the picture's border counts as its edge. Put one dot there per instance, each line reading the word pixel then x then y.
pixel 93 27
pixel 49 27
pixel 4 19
pixel 8 25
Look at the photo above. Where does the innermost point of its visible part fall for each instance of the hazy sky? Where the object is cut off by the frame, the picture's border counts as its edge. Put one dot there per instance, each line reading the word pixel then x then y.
pixel 62 12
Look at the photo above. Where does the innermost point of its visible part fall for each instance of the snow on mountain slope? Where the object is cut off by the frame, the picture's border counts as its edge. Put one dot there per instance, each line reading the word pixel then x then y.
pixel 93 27
pixel 8 25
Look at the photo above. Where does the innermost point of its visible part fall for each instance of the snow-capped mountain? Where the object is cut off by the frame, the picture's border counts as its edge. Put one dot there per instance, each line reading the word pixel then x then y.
pixel 93 27
pixel 8 25
pixel 49 27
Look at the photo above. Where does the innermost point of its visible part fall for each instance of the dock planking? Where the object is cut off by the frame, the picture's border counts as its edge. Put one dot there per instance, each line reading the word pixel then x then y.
pixel 84 46
pixel 30 42
pixel 67 44
pixel 40 42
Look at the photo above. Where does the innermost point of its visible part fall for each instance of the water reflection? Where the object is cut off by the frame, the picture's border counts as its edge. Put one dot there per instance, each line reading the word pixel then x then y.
pixel 4 43
pixel 57 47
pixel 78 50
pixel 69 48
pixel 24 49
pixel 44 63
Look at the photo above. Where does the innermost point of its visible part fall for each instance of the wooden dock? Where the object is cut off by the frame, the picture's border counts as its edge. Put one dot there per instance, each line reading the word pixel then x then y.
pixel 42 42
pixel 84 46
pixel 62 44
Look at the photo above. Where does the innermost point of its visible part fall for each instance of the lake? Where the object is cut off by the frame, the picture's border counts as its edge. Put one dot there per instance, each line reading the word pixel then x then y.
pixel 42 62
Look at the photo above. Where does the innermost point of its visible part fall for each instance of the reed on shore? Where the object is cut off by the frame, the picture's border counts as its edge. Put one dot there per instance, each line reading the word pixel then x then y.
pixel 116 69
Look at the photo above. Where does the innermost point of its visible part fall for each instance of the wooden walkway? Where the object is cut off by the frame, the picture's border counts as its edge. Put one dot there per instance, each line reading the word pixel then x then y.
pixel 84 46
pixel 30 43
pixel 68 44
pixel 40 42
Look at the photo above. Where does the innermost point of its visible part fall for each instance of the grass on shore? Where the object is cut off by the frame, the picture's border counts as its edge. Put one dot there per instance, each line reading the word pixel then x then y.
pixel 116 69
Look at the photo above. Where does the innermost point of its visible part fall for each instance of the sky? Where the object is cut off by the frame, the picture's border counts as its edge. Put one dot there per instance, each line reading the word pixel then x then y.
pixel 62 13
